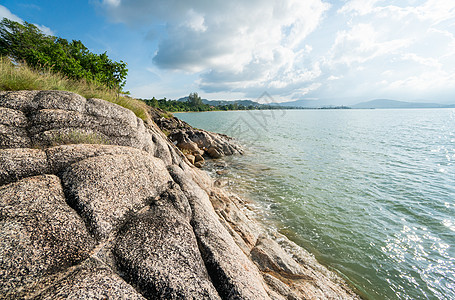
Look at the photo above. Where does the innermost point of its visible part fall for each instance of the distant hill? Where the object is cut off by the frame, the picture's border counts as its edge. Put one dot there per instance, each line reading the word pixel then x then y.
pixel 387 103
pixel 224 102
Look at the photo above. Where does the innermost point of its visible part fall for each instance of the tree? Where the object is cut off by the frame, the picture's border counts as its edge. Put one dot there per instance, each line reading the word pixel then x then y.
pixel 25 42
pixel 194 100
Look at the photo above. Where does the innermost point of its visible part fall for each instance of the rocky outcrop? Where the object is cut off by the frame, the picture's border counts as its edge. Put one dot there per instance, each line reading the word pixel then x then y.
pixel 195 141
pixel 130 218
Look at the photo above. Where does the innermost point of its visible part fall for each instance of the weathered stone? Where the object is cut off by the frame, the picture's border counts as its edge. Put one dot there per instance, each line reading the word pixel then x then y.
pixel 40 233
pixel 269 256
pixel 196 140
pixel 19 100
pixel 13 132
pixel 104 189
pixel 90 280
pixel 280 287
pixel 214 152
pixel 12 117
pixel 158 252
pixel 232 273
pixel 61 157
pixel 105 110
pixel 19 163
pixel 59 100
pixel 233 212
pixel 198 158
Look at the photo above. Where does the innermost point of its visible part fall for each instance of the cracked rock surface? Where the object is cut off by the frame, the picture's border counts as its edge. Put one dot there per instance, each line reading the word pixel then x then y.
pixel 97 204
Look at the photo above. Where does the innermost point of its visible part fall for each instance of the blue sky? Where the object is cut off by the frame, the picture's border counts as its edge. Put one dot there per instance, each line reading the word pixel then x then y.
pixel 338 52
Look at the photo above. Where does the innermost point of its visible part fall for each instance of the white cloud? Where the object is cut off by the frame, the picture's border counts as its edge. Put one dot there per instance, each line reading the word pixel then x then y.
pixel 6 13
pixel 113 3
pixel 301 49
pixel 45 29
pixel 234 45
pixel 399 49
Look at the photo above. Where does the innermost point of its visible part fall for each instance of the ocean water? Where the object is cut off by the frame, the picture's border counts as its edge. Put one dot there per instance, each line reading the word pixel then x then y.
pixel 371 193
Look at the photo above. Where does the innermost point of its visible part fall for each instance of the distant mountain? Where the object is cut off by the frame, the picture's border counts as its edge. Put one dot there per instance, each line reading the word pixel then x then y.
pixel 387 103
pixel 224 102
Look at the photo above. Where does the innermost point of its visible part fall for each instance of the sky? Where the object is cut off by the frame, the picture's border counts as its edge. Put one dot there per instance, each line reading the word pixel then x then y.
pixel 333 52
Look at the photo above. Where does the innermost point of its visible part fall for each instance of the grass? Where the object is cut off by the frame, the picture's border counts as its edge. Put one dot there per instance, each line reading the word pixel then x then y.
pixel 15 77
pixel 77 137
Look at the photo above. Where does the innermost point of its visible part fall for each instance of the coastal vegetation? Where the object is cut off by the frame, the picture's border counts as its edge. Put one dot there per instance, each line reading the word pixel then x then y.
pixel 193 102
pixel 31 60
pixel 27 43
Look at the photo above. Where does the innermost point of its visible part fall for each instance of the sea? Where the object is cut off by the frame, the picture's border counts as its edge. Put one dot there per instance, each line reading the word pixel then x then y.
pixel 370 193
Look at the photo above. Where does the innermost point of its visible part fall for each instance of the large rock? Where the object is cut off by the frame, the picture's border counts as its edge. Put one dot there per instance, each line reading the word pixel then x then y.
pixel 132 219
pixel 158 252
pixel 49 118
pixel 40 233
pixel 270 257
pixel 19 163
pixel 233 274
pixel 90 280
pixel 13 132
pixel 104 189
pixel 195 140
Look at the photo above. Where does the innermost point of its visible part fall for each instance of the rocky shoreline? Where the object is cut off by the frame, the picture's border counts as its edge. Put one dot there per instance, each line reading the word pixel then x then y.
pixel 97 204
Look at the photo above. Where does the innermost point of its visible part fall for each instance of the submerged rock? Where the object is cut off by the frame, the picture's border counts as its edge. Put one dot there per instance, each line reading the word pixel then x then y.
pixel 130 218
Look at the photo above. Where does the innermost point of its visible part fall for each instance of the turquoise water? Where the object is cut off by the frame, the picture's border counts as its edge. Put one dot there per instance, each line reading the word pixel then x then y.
pixel 370 192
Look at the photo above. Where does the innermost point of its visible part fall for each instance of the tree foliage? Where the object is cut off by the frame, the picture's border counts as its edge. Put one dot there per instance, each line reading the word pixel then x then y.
pixel 194 103
pixel 25 42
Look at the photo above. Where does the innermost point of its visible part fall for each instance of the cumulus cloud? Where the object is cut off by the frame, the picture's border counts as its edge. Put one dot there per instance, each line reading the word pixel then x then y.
pixel 235 45
pixel 396 49
pixel 297 49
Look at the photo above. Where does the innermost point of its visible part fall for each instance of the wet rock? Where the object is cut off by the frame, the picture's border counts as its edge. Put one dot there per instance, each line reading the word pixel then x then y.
pixel 269 256
pixel 215 152
pixel 40 233
pixel 190 158
pixel 199 164
pixel 198 158
pixel 104 189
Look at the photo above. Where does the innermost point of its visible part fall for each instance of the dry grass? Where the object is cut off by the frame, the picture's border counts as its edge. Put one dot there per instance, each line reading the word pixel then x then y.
pixel 15 77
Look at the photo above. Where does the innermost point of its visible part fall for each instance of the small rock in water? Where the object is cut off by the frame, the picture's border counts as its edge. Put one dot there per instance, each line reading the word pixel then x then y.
pixel 198 158
pixel 191 158
pixel 199 164
pixel 220 164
